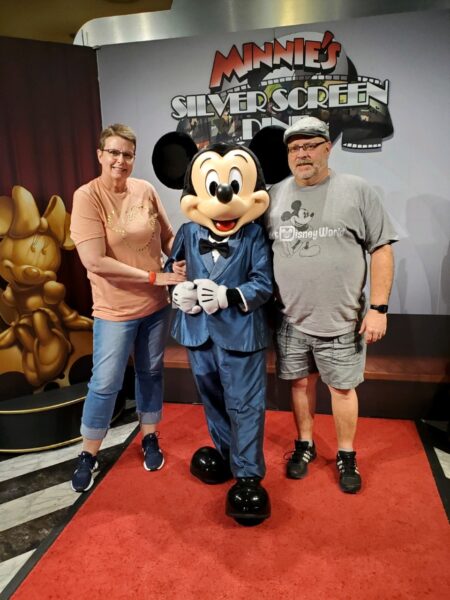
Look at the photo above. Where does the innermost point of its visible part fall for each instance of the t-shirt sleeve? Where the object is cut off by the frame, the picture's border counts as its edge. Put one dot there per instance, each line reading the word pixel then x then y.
pixel 378 227
pixel 85 220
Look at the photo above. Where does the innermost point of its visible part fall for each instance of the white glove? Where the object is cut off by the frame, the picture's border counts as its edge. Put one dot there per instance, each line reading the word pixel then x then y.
pixel 211 296
pixel 184 297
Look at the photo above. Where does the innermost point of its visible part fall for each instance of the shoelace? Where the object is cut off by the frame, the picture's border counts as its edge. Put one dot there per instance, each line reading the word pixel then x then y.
pixel 152 443
pixel 299 455
pixel 347 463
pixel 85 461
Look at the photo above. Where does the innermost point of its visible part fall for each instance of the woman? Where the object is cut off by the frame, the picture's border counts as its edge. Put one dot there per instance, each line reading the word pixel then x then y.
pixel 120 228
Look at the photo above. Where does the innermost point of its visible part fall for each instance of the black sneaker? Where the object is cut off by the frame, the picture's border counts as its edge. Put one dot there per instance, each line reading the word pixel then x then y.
pixel 297 466
pixel 82 479
pixel 349 477
pixel 153 457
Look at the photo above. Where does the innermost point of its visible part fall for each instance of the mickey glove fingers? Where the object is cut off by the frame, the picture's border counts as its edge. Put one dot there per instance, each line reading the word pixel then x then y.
pixel 211 296
pixel 184 297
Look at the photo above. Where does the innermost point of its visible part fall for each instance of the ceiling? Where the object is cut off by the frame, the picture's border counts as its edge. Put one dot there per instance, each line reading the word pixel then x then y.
pixel 59 20
pixel 99 22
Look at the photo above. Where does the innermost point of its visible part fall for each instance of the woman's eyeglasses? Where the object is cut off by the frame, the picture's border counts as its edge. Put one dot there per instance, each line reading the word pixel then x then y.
pixel 127 156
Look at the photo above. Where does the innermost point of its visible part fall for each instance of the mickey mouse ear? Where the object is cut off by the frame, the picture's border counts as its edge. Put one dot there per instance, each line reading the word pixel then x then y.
pixel 171 156
pixel 270 149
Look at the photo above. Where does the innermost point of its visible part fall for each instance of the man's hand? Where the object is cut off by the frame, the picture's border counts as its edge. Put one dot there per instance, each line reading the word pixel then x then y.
pixel 185 298
pixel 374 326
pixel 179 267
pixel 211 296
pixel 381 275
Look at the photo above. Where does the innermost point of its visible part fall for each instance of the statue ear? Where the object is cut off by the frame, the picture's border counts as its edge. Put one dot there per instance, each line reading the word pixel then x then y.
pixel 26 218
pixel 68 243
pixel 171 157
pixel 59 222
pixel 55 213
pixel 6 214
pixel 270 149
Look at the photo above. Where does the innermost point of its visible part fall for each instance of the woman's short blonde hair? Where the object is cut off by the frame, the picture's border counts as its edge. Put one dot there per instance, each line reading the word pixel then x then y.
pixel 120 130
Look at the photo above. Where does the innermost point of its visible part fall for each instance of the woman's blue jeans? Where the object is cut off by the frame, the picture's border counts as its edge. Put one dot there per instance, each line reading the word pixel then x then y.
pixel 114 341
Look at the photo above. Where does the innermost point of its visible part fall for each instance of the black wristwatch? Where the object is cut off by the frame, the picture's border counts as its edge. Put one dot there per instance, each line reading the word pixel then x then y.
pixel 381 308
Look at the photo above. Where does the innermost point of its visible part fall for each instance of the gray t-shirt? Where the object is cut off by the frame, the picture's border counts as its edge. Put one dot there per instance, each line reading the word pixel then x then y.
pixel 320 236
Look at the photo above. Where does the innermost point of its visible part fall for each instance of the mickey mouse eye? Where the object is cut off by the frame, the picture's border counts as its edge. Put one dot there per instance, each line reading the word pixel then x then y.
pixel 212 182
pixel 235 180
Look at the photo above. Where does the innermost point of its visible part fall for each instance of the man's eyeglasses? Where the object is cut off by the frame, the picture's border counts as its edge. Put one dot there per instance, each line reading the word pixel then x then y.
pixel 127 156
pixel 306 147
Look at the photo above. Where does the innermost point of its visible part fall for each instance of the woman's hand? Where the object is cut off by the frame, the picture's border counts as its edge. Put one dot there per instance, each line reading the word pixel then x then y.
pixel 169 279
pixel 179 267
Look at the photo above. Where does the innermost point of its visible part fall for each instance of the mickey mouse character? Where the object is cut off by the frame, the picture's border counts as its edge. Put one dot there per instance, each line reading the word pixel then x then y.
pixel 300 218
pixel 221 317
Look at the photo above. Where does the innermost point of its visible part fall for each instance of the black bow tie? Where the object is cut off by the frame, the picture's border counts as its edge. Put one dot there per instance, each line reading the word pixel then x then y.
pixel 205 246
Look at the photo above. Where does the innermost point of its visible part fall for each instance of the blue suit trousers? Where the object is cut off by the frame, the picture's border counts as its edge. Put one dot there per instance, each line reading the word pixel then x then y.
pixel 232 387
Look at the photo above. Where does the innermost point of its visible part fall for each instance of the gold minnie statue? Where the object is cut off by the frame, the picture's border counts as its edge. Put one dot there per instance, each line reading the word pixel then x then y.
pixel 32 305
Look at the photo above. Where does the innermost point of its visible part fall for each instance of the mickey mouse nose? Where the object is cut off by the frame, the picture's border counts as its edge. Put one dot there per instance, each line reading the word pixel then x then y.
pixel 224 192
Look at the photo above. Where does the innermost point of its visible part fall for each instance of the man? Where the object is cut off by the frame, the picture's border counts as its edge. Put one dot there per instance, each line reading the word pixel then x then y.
pixel 322 225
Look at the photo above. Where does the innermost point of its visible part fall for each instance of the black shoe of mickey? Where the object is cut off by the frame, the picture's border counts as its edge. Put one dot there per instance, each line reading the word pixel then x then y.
pixel 248 502
pixel 208 465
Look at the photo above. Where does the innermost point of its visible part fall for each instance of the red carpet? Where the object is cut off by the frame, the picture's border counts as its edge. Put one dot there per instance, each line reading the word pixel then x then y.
pixel 165 536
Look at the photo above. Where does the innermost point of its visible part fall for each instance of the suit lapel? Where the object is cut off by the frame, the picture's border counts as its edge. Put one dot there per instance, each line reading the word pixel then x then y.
pixel 215 269
pixel 222 263
pixel 206 259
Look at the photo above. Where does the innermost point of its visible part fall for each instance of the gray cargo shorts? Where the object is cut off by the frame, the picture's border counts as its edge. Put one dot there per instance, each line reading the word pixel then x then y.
pixel 339 360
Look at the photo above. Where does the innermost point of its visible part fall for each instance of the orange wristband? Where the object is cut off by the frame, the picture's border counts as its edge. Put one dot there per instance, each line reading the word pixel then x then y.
pixel 152 277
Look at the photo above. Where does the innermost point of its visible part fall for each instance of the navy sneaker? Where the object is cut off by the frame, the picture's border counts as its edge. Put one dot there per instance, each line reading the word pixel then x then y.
pixel 153 457
pixel 349 477
pixel 297 466
pixel 82 479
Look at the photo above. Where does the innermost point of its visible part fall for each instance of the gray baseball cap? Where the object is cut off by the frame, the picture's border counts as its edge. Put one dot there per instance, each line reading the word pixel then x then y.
pixel 308 126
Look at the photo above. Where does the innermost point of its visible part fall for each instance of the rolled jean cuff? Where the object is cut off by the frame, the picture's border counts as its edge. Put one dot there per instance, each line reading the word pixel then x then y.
pixel 149 418
pixel 92 434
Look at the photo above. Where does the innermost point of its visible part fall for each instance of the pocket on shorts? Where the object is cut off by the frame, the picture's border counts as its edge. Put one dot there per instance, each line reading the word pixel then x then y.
pixel 282 325
pixel 348 344
pixel 283 338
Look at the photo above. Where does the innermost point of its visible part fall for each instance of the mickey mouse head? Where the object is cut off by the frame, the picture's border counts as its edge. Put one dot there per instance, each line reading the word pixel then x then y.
pixel 300 216
pixel 223 184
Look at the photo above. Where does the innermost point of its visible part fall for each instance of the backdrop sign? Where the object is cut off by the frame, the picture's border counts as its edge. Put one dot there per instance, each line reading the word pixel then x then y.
pixel 254 85
pixel 381 82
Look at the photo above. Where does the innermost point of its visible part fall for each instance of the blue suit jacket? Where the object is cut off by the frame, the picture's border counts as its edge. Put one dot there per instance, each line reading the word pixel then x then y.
pixel 248 267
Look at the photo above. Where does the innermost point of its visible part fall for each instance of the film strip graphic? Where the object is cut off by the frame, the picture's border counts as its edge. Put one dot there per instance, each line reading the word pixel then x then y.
pixel 245 87
pixel 372 145
pixel 378 114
